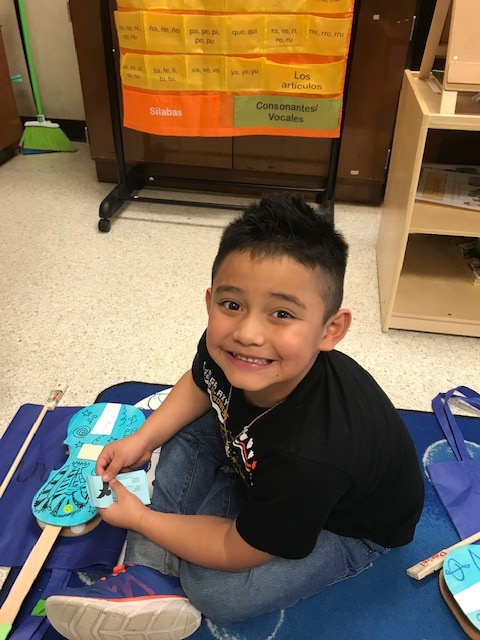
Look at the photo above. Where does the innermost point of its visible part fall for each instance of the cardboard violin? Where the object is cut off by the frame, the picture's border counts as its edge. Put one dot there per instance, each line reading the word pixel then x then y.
pixel 62 503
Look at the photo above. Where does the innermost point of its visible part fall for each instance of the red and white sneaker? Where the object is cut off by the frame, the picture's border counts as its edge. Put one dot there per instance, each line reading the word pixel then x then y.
pixel 134 603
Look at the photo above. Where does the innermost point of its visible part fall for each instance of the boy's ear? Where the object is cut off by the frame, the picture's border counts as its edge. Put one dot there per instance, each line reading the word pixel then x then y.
pixel 208 298
pixel 335 329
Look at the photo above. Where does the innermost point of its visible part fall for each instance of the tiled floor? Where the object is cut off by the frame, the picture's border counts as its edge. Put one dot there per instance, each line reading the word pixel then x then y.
pixel 96 309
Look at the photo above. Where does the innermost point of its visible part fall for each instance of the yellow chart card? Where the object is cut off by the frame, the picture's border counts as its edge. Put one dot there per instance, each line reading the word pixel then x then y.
pixel 170 5
pixel 243 6
pixel 328 6
pixel 167 73
pixel 203 5
pixel 328 36
pixel 280 6
pixel 130 4
pixel 244 74
pixel 164 32
pixel 130 29
pixel 205 73
pixel 203 34
pixel 320 79
pixel 133 70
pixel 244 34
pixel 264 6
pixel 285 33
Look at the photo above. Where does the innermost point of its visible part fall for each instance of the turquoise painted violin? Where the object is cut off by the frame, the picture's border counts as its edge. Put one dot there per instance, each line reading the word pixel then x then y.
pixel 63 499
pixel 63 502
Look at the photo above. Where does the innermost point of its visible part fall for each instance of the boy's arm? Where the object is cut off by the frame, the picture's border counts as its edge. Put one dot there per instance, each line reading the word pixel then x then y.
pixel 207 541
pixel 185 403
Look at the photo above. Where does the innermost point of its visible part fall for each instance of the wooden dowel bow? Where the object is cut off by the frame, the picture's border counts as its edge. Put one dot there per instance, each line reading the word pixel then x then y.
pixel 53 399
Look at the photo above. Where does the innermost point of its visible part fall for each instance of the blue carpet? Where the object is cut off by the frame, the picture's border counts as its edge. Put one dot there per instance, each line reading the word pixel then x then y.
pixel 382 603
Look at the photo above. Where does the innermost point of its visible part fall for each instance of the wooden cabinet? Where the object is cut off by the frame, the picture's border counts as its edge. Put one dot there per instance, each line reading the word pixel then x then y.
pixel 10 124
pixel 422 284
pixel 379 58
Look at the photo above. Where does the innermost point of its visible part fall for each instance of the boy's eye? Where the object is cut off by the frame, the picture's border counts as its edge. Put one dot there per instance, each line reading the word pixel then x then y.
pixel 282 314
pixel 231 305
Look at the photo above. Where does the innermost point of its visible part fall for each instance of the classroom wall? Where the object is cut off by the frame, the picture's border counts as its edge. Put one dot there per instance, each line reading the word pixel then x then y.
pixel 54 56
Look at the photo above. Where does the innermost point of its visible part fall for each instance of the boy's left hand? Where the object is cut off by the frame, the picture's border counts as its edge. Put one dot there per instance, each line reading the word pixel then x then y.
pixel 127 512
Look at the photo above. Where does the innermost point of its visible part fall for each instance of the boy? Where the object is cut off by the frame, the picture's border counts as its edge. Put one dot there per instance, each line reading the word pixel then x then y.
pixel 284 467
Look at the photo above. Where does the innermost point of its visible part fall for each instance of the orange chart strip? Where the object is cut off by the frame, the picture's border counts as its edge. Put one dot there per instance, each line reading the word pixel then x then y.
pixel 212 115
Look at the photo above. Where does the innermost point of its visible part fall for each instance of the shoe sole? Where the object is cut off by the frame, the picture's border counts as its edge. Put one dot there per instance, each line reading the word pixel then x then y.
pixel 155 619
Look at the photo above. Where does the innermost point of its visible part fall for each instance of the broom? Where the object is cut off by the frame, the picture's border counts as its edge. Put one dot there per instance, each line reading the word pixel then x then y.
pixel 40 135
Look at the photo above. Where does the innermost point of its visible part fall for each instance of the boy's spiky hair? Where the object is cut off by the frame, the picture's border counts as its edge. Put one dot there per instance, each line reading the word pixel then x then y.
pixel 283 224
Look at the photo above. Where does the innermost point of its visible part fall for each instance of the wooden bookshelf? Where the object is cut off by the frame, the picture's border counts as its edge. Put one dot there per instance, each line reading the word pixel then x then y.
pixel 422 284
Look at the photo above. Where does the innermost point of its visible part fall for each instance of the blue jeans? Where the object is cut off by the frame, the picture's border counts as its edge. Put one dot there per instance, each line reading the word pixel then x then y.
pixel 194 476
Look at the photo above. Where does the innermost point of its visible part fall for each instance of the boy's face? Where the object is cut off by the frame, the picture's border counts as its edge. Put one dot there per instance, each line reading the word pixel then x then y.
pixel 265 324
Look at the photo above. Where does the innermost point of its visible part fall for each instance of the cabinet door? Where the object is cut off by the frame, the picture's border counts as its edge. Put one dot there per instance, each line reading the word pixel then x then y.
pixel 87 33
pixel 282 154
pixel 380 56
pixel 10 125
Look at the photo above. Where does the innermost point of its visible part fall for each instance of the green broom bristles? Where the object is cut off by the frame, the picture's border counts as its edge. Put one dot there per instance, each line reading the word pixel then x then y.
pixel 40 134
pixel 45 136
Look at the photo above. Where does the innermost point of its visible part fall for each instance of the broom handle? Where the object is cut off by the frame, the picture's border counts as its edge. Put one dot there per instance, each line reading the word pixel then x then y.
pixel 31 66
pixel 53 400
pixel 26 577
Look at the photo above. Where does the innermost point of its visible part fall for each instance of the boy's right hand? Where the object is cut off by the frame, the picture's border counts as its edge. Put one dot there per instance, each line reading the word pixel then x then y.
pixel 122 455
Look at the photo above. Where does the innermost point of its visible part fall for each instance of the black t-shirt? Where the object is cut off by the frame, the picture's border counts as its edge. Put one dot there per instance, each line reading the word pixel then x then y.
pixel 333 455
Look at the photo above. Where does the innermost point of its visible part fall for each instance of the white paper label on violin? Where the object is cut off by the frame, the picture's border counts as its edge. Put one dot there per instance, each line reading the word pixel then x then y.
pixel 90 452
pixel 106 421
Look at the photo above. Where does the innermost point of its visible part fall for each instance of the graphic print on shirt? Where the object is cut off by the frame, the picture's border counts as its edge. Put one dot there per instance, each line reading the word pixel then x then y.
pixel 241 451
pixel 244 444
pixel 218 398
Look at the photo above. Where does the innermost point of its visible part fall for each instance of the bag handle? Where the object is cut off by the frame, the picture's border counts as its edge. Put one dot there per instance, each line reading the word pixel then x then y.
pixel 447 420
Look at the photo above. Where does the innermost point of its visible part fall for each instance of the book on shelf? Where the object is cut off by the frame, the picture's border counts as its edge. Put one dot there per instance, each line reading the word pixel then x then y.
pixel 450 184
pixel 468 252
pixel 435 80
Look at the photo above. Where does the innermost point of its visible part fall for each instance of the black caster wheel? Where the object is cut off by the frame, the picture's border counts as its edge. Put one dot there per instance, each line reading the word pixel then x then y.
pixel 104 225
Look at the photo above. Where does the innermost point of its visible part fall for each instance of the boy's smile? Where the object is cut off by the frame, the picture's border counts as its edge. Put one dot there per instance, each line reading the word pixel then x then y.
pixel 265 324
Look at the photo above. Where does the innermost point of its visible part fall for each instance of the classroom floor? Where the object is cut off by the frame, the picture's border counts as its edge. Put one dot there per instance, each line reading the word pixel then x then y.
pixel 95 309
